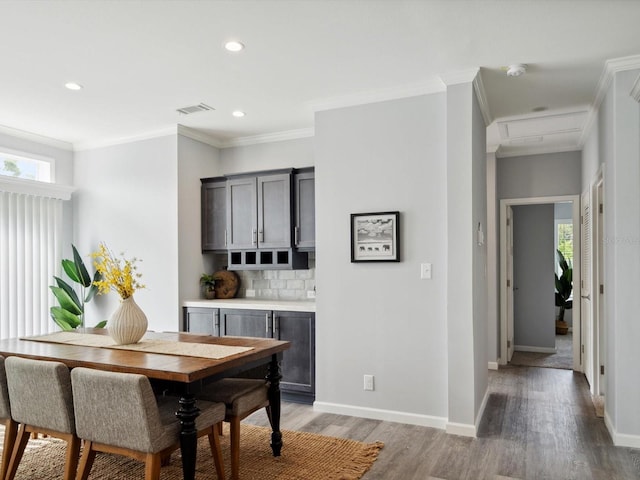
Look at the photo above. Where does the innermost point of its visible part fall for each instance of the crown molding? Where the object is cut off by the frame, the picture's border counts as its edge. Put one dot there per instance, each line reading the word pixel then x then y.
pixel 269 138
pixel 34 137
pixel 462 76
pixel 425 88
pixel 199 136
pixel 481 95
pixel 611 67
pixel 123 140
pixel 505 151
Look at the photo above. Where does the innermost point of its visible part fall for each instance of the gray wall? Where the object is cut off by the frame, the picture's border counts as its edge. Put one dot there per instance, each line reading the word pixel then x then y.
pixel 381 318
pixel 544 175
pixel 533 273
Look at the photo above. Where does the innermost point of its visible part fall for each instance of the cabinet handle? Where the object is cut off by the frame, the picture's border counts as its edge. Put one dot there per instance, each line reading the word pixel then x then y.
pixel 261 236
pixel 276 327
pixel 296 231
pixel 253 236
pixel 216 330
pixel 267 323
pixel 225 237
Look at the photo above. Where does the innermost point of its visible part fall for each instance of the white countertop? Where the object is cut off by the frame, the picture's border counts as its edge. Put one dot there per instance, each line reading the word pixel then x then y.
pixel 255 304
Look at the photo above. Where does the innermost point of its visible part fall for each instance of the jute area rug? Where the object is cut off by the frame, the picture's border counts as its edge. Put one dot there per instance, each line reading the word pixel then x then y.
pixel 305 456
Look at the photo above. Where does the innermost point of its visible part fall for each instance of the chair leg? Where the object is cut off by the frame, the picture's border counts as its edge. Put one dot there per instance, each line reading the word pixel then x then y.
pixel 268 410
pixel 216 451
pixel 71 462
pixel 235 447
pixel 86 462
pixel 18 450
pixel 152 466
pixel 10 433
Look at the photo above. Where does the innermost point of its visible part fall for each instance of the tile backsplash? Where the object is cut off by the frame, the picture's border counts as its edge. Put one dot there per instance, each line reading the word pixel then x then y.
pixel 279 284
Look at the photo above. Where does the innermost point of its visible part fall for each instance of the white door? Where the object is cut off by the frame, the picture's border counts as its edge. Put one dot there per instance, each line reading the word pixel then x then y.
pixel 509 280
pixel 586 344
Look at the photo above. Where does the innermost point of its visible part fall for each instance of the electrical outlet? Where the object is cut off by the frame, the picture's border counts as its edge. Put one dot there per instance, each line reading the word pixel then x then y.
pixel 425 271
pixel 368 382
pixel 311 294
pixel 250 293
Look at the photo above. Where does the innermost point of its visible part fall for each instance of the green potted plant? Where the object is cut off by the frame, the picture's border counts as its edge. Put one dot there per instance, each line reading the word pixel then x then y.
pixel 564 286
pixel 208 283
pixel 70 314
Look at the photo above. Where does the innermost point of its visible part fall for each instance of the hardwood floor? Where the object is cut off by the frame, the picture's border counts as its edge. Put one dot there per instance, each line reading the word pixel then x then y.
pixel 539 423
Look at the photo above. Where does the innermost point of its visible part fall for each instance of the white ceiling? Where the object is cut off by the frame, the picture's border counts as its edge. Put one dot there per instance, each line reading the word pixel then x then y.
pixel 141 60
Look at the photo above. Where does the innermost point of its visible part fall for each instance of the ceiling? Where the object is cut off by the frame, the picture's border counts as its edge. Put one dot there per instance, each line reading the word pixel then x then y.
pixel 141 60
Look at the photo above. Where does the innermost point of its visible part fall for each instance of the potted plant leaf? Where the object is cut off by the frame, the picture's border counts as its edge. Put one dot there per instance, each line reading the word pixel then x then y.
pixel 564 286
pixel 208 283
pixel 70 314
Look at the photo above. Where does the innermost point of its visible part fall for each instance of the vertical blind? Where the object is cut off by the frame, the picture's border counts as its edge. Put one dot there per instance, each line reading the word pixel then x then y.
pixel 30 254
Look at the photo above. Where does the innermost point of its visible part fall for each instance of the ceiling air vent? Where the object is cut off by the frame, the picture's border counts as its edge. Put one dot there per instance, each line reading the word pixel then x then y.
pixel 201 107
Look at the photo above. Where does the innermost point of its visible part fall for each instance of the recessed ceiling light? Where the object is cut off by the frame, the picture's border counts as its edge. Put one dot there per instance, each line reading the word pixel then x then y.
pixel 238 113
pixel 233 46
pixel 73 86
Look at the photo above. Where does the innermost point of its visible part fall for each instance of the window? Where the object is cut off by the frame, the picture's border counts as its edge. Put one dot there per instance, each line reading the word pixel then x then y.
pixel 25 166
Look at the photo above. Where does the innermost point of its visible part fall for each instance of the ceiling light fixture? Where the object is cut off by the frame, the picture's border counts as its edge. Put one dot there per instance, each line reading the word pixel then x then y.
pixel 233 46
pixel 238 113
pixel 516 70
pixel 73 86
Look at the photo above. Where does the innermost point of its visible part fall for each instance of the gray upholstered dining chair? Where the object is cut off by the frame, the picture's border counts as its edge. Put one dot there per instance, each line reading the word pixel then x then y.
pixel 119 413
pixel 10 426
pixel 242 397
pixel 41 402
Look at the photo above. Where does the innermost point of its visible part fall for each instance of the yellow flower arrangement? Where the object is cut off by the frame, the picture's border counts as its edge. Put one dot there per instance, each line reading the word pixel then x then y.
pixel 118 274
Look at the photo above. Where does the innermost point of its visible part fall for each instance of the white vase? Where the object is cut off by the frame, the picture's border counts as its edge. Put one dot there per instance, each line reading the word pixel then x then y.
pixel 128 323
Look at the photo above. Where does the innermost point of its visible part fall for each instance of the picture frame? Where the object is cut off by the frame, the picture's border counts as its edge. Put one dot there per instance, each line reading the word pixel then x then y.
pixel 375 237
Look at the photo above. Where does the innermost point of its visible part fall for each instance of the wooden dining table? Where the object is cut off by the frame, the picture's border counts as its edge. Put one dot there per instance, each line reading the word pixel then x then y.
pixel 183 371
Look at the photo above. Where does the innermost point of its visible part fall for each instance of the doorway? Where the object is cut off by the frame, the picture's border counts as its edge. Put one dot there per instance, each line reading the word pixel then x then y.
pixel 509 289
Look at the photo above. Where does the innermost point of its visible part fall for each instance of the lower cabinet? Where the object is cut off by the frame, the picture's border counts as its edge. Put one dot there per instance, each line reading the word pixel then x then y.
pixel 298 362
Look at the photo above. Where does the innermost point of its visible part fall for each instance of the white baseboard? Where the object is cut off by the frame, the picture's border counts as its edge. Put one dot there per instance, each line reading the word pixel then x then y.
pixel 621 439
pixel 462 429
pixel 493 365
pixel 526 348
pixel 380 414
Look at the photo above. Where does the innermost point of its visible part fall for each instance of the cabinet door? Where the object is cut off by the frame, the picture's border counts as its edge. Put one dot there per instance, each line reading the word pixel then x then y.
pixel 298 362
pixel 201 320
pixel 246 323
pixel 305 211
pixel 274 211
pixel 242 216
pixel 214 215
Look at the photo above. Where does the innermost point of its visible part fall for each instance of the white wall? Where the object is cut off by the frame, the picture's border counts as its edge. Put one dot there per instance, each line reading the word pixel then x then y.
pixel 196 160
pixel 380 318
pixel 296 153
pixel 619 141
pixel 127 197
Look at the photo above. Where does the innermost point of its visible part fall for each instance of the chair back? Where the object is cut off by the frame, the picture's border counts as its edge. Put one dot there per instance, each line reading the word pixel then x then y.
pixel 5 406
pixel 118 409
pixel 40 393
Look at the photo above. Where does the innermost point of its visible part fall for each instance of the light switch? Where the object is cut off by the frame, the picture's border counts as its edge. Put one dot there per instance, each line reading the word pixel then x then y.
pixel 425 270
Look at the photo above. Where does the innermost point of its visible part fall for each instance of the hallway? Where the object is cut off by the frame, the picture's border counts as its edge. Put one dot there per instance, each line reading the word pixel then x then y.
pixel 539 423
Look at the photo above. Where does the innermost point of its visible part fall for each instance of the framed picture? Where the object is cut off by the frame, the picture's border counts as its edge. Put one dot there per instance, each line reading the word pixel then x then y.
pixel 375 237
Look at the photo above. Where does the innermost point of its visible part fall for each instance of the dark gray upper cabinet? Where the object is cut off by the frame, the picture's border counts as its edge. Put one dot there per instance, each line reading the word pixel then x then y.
pixel 259 211
pixel 214 214
pixel 305 210
pixel 242 213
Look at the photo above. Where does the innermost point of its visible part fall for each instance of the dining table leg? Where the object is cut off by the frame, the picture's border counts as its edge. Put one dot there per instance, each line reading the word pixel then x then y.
pixel 273 377
pixel 187 414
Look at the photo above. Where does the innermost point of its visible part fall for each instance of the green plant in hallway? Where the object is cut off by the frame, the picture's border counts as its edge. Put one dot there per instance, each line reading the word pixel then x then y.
pixel 208 283
pixel 564 287
pixel 70 313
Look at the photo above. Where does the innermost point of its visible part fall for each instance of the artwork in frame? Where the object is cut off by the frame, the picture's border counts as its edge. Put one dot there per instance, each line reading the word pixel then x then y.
pixel 375 237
